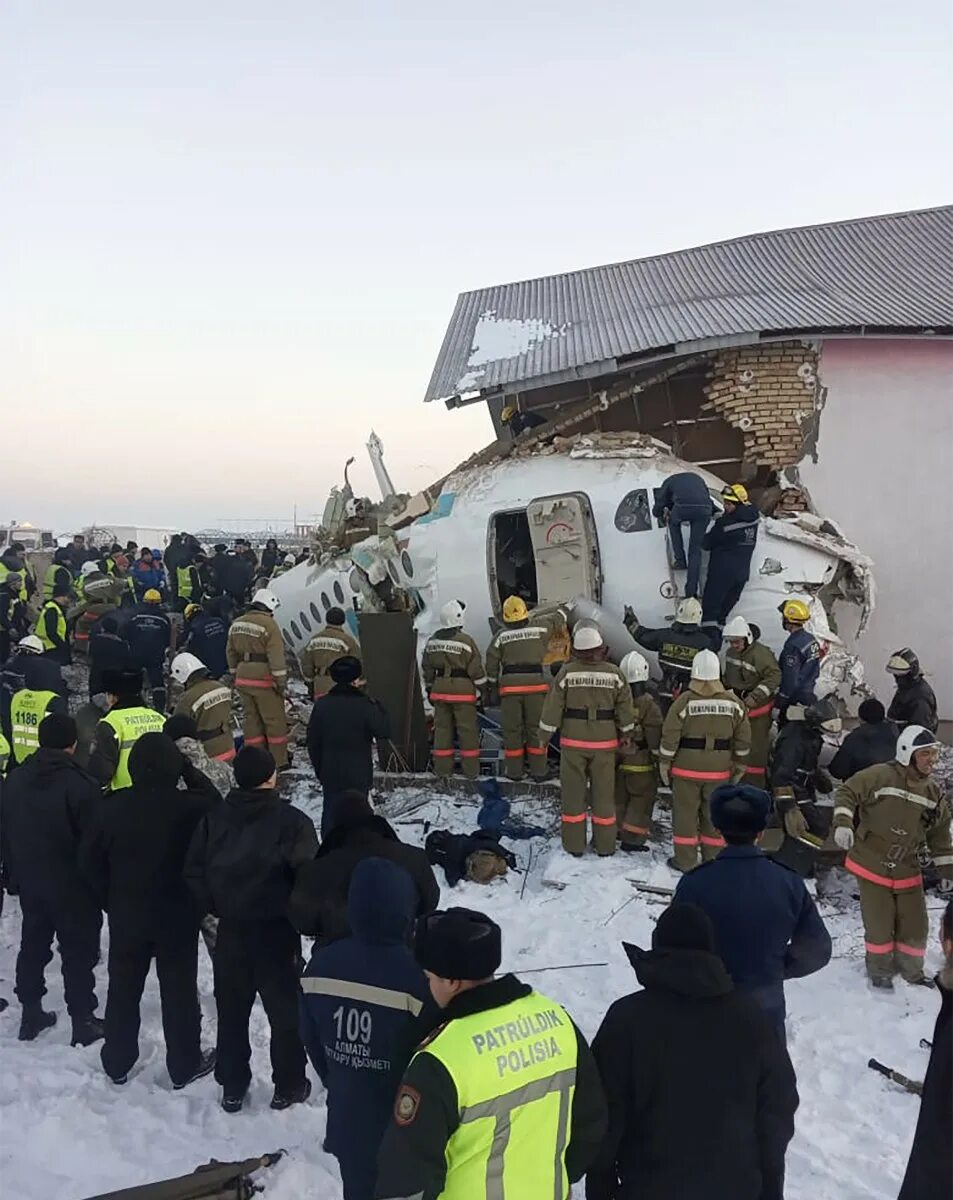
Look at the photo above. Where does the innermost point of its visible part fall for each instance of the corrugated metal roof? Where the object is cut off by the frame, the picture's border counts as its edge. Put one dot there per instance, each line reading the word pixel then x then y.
pixel 885 272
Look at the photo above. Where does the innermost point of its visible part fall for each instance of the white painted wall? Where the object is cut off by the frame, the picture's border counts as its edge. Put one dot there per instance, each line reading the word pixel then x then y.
pixel 885 474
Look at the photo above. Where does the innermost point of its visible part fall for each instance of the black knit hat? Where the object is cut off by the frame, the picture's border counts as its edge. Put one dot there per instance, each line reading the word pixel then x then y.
pixel 345 669
pixel 871 711
pixel 458 943
pixel 123 681
pixel 155 759
pixel 336 616
pixel 253 767
pixel 683 927
pixel 57 731
pixel 738 809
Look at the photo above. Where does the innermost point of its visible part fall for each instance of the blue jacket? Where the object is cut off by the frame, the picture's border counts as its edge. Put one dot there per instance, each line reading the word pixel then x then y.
pixel 360 998
pixel 733 535
pixel 144 578
pixel 207 638
pixel 767 928
pixel 800 667
pixel 149 634
pixel 684 489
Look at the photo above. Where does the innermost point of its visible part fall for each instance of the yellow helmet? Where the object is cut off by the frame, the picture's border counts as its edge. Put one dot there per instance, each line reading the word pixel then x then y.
pixel 151 596
pixel 795 611
pixel 514 609
pixel 191 610
pixel 735 493
pixel 508 413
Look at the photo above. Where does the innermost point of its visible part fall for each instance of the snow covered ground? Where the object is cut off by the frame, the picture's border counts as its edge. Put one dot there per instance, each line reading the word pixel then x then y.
pixel 66 1131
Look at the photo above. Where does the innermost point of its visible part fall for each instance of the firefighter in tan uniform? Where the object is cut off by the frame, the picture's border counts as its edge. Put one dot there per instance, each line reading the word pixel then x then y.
pixel 514 668
pixel 706 739
pixel 754 675
pixel 899 811
pixel 256 658
pixel 591 706
pixel 208 703
pixel 325 648
pixel 453 673
pixel 636 784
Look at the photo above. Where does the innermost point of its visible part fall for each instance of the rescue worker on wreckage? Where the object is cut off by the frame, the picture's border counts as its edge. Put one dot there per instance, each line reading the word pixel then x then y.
pixel 914 702
pixel 730 543
pixel 676 646
pixel 453 674
pixel 754 675
pixel 795 774
pixel 706 740
pixel 637 774
pixel 800 657
pixel 591 705
pixel 515 671
pixel 885 818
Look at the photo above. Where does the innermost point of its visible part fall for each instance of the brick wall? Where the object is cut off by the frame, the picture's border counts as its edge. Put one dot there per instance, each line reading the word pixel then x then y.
pixel 771 393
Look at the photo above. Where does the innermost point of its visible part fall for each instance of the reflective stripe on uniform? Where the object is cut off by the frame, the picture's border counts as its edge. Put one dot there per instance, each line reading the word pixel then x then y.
pixel 547 728
pixel 635 769
pixel 578 744
pixel 573 819
pixel 267 682
pixel 349 989
pixel 524 689
pixel 602 820
pixel 712 841
pixel 536 749
pixel 441 647
pixel 452 698
pixel 635 829
pixel 896 885
pixel 685 841
pixel 686 774
pixel 513 753
pixel 227 756
pixel 913 951
pixel 756 770
pixel 760 712
pixel 588 679
pixel 879 947
pixel 841 811
pixel 923 801
pixel 943 860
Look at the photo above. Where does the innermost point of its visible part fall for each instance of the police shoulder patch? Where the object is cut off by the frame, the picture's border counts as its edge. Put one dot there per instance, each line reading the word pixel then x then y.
pixel 406 1105
pixel 432 1034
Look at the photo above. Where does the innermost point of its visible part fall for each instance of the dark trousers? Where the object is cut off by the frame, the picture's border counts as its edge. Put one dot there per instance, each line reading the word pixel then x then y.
pixel 257 958
pixel 697 517
pixel 723 587
pixel 359 1172
pixel 155 673
pixel 176 959
pixel 76 926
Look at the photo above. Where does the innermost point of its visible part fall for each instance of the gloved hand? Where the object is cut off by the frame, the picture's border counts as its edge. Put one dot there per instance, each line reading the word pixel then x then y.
pixel 795 825
pixel 844 837
pixel 491 695
pixel 664 773
pixel 629 617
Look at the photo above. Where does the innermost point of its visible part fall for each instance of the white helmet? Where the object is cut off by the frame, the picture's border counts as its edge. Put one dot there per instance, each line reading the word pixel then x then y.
pixel 184 667
pixel 634 667
pixel 705 665
pixel 350 508
pixel 913 738
pixel 587 637
pixel 290 560
pixel 738 627
pixel 452 613
pixel 689 612
pixel 31 643
pixel 88 568
pixel 267 598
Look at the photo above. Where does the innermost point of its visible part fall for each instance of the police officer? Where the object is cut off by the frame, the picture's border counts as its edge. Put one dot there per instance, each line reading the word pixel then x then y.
pixel 503 1098
pixel 51 628
pixel 706 740
pixel 186 584
pixel 754 675
pixel 800 657
pixel 676 646
pixel 334 641
pixel 898 811
pixel 57 576
pixel 28 667
pixel 514 668
pixel 149 634
pixel 730 543
pixel 27 710
pixel 914 702
pixel 453 673
pixel 795 778
pixel 126 721
pixel 208 703
pixel 256 657
pixel 591 706
pixel 637 774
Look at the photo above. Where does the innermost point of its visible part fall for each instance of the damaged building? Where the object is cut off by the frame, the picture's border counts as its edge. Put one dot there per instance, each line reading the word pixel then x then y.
pixel 814 364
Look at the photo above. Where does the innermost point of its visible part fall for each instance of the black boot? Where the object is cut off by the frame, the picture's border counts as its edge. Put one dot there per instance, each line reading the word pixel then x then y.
pixel 884 982
pixel 34 1021
pixel 233 1103
pixel 205 1067
pixel 634 847
pixel 90 1029
pixel 281 1100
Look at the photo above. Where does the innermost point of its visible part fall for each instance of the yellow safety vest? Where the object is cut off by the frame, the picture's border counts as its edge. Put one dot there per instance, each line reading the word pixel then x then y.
pixel 5 571
pixel 27 710
pixel 4 754
pixel 183 576
pixel 49 579
pixel 514 1069
pixel 40 629
pixel 129 724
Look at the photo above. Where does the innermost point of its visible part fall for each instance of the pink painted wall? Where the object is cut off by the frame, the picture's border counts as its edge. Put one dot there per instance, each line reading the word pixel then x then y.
pixel 885 474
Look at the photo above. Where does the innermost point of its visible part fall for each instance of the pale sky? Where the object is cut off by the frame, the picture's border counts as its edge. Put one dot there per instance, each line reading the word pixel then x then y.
pixel 232 233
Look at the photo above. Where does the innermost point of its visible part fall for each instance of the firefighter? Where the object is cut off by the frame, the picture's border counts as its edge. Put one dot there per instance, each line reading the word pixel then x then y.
pixel 637 775
pixel 800 657
pixel 518 422
pixel 706 740
pixel 899 811
pixel 126 721
pixel 591 706
pixel 51 628
pixel 453 674
pixel 96 586
pixel 149 634
pixel 356 526
pixel 914 702
pixel 208 703
pixel 676 646
pixel 99 597
pixel 256 657
pixel 514 668
pixel 27 709
pixel 334 641
pixel 795 778
pixel 754 675
pixel 730 543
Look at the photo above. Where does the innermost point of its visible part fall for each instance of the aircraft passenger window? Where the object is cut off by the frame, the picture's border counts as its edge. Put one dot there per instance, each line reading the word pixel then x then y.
pixel 354 579
pixel 338 592
pixel 392 572
pixel 633 514
pixel 325 602
pixel 407 565
pixel 316 613
pixel 304 621
pixel 287 636
pixel 295 630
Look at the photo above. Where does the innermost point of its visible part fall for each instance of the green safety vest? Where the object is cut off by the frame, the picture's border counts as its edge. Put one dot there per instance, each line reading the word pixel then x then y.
pixel 129 724
pixel 183 577
pixel 27 710
pixel 4 754
pixel 40 629
pixel 5 571
pixel 514 1070
pixel 49 579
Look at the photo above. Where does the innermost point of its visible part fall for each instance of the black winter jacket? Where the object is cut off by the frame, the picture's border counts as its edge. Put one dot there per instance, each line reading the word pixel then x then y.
pixel 864 747
pixel 734 534
pixel 341 733
pixel 245 853
pixel 25 670
pixel 683 488
pixel 930 1169
pixel 319 900
pixel 701 1091
pixel 794 761
pixel 914 703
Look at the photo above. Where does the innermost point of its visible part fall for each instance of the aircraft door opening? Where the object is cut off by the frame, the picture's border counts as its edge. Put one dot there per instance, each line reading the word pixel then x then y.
pixel 565 548
pixel 511 560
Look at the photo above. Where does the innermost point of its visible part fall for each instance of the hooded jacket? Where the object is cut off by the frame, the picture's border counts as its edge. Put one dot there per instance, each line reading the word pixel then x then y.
pixel 385 991
pixel 701 1091
pixel 914 703
pixel 319 902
